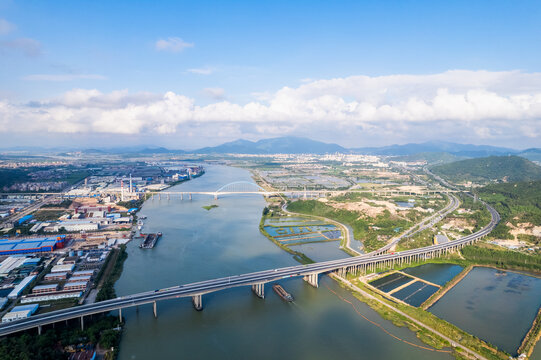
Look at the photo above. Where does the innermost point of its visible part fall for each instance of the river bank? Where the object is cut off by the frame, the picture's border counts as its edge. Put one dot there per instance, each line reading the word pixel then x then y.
pixel 199 245
pixel 473 256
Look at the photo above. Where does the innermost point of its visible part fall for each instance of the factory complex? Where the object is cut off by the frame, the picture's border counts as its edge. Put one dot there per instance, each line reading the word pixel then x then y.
pixel 31 245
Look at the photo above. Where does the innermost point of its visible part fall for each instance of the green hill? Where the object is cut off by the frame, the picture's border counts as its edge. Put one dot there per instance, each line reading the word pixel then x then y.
pixel 516 203
pixel 490 169
pixel 432 158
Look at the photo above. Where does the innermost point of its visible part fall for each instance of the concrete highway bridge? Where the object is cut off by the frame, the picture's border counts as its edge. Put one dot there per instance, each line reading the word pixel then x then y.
pixel 255 280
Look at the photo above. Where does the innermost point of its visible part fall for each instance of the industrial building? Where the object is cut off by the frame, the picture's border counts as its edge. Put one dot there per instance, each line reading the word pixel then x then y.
pixel 3 302
pixel 84 273
pixel 22 285
pixel 23 220
pixel 76 225
pixel 75 286
pixel 57 295
pixel 62 268
pixel 56 276
pixel 20 312
pixel 10 264
pixel 32 245
pixel 122 220
pixel 84 278
pixel 40 289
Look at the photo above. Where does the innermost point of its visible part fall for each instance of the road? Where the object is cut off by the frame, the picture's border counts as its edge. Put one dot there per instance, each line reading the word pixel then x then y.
pixel 423 225
pixel 261 277
pixel 47 198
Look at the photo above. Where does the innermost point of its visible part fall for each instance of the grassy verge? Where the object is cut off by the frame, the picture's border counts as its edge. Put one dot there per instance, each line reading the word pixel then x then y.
pixel 111 274
pixel 505 259
pixel 532 337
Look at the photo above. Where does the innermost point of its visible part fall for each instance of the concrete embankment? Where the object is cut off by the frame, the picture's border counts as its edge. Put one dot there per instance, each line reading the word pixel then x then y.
pixel 439 294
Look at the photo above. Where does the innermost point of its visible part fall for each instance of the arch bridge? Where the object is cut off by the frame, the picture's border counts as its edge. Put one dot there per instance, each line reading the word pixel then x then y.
pixel 241 187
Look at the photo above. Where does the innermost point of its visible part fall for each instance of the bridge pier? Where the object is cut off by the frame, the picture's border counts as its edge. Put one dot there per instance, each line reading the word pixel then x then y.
pixel 216 196
pixel 198 302
pixel 190 196
pixel 312 279
pixel 39 329
pixel 82 323
pixel 155 309
pixel 259 290
pixel 181 196
pixel 120 315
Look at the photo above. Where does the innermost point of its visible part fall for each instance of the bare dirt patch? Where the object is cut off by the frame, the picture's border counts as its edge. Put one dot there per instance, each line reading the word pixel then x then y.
pixel 524 228
pixel 457 224
pixel 370 208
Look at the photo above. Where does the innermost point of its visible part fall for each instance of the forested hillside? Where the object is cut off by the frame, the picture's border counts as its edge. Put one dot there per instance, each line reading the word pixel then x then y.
pixel 517 203
pixel 494 168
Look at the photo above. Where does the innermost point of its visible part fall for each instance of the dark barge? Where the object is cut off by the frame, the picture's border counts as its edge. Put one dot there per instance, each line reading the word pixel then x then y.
pixel 282 293
pixel 150 240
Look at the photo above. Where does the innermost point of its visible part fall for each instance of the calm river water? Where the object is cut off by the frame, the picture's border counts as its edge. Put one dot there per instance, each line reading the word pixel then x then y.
pixel 197 245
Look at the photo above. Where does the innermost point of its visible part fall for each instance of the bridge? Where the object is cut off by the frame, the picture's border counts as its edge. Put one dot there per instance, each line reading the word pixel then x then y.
pixel 246 188
pixel 256 280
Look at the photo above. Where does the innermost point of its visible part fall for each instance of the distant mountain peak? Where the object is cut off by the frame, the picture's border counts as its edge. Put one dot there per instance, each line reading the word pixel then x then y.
pixel 285 144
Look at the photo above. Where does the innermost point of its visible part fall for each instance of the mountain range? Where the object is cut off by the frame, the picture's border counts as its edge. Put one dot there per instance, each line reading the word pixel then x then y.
pixel 280 145
pixel 435 151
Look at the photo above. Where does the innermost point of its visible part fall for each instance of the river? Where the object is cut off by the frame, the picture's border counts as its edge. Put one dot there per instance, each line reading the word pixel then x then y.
pixel 197 245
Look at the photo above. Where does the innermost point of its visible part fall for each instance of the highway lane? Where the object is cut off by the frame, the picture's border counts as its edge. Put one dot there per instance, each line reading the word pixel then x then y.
pixel 423 225
pixel 213 285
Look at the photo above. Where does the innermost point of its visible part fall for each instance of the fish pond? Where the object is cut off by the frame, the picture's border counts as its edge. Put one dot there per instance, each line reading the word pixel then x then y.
pixel 496 306
pixel 316 239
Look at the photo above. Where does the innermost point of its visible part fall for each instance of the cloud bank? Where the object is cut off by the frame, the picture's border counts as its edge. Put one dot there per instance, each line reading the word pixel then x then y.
pixel 482 105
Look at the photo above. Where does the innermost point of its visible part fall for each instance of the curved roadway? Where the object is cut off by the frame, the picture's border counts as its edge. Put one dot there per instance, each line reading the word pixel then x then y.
pixel 213 285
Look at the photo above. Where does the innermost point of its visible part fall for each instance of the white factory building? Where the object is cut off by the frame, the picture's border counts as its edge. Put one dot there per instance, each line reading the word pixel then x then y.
pixel 21 286
pixel 76 225
pixel 20 312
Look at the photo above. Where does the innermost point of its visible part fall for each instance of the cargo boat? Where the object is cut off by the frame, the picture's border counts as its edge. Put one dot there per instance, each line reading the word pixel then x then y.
pixel 282 293
pixel 150 240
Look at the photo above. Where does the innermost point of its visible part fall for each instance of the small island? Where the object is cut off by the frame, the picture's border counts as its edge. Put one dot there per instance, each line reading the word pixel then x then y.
pixel 208 207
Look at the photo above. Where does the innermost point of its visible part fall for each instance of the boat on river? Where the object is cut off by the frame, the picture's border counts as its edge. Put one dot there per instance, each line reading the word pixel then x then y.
pixel 150 240
pixel 282 293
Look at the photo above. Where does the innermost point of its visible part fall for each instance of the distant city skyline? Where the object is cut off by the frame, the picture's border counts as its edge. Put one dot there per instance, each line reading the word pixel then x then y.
pixel 185 75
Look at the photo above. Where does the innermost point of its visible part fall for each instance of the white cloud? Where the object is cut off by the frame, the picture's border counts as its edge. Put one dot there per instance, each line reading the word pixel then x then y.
pixel 63 77
pixel 458 105
pixel 214 93
pixel 172 44
pixel 6 27
pixel 202 71
pixel 29 47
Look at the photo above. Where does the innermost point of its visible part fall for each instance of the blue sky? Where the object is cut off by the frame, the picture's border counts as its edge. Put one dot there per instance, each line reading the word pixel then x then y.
pixel 239 53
